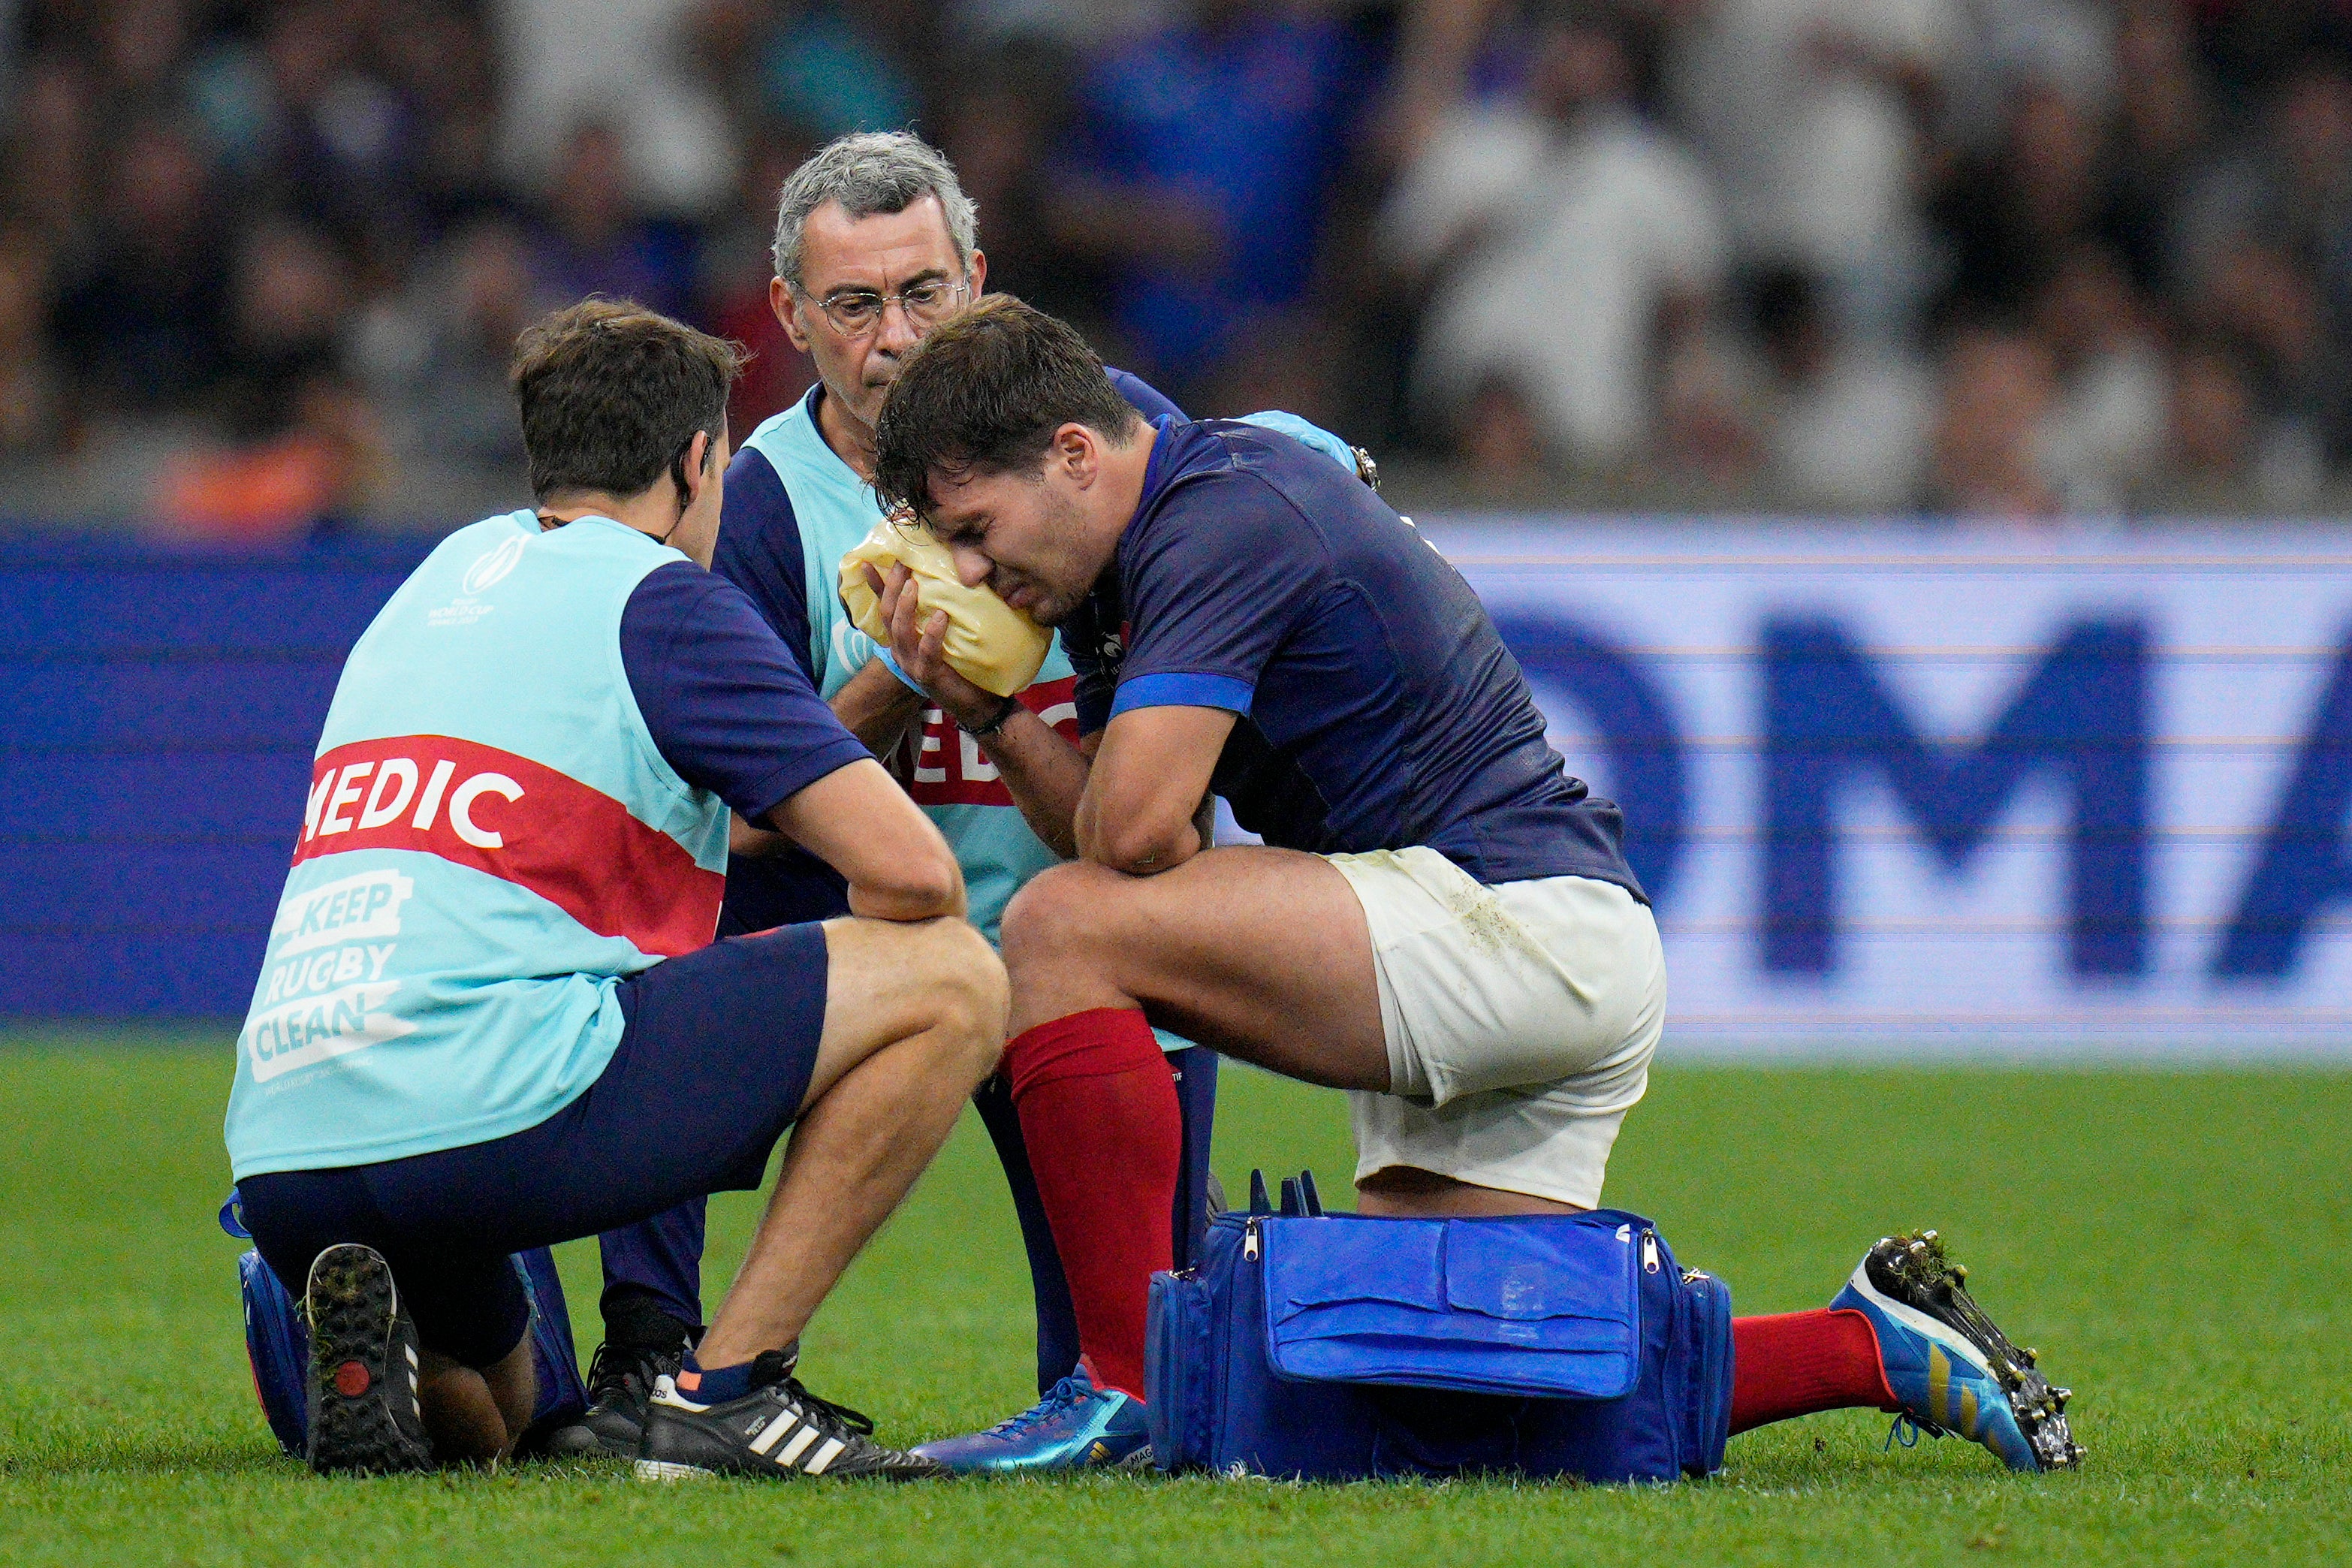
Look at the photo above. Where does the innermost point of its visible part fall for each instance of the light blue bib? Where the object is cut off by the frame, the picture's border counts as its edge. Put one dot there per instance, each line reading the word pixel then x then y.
pixel 491 839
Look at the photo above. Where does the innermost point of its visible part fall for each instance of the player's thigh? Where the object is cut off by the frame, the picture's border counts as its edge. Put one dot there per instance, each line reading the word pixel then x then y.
pixel 1260 953
pixel 1510 986
pixel 887 981
pixel 716 1054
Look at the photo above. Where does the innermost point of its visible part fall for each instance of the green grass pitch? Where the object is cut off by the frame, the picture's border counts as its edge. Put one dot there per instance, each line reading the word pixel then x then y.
pixel 2179 1245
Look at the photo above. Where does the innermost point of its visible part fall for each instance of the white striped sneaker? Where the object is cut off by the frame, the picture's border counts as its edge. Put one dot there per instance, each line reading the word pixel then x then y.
pixel 778 1429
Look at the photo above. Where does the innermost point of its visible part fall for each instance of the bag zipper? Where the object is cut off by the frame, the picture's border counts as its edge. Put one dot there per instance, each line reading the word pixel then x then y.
pixel 1220 1356
pixel 1649 1252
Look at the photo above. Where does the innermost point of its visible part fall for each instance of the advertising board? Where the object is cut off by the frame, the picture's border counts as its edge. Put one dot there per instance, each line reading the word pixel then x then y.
pixel 1895 787
pixel 1909 787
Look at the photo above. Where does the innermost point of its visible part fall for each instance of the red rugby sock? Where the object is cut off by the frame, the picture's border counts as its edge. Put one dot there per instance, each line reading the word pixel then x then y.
pixel 1799 1362
pixel 1099 1115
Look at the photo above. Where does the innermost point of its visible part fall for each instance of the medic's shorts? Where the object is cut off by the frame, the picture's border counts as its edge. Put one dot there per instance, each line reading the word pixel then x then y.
pixel 710 1071
pixel 1519 1020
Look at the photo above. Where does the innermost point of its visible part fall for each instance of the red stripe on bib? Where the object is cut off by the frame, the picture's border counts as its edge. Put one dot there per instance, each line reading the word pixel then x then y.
pixel 520 821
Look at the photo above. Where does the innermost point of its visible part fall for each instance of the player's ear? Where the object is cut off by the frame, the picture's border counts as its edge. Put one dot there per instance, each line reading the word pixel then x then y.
pixel 779 300
pixel 978 272
pixel 1076 452
pixel 692 470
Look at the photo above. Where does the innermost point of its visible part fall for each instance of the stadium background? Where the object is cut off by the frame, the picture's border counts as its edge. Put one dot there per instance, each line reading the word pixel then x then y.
pixel 1907 441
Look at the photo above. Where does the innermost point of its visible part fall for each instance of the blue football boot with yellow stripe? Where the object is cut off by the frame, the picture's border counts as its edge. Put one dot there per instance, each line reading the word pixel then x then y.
pixel 1952 1370
pixel 1076 1426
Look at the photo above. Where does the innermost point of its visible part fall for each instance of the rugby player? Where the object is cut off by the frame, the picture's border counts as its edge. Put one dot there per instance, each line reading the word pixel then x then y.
pixel 1439 922
pixel 491 1016
pixel 876 244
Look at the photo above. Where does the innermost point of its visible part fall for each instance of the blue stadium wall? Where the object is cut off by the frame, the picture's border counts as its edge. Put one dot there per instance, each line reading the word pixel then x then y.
pixel 153 756
pixel 1895 787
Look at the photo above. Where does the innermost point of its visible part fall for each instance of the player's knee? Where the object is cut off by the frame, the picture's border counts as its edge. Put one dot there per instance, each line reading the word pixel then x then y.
pixel 965 982
pixel 1056 915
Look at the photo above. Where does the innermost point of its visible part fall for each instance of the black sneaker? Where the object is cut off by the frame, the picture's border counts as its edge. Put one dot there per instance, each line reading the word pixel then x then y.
pixel 778 1429
pixel 365 1416
pixel 620 1380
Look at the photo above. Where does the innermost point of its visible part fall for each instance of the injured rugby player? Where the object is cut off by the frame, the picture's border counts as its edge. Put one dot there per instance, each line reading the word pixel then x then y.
pixel 1439 922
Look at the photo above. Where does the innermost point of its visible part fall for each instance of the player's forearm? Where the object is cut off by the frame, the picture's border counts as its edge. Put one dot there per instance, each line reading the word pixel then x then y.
pixel 907 902
pixel 1045 775
pixel 1138 848
pixel 859 822
pixel 1145 833
pixel 1151 772
pixel 875 706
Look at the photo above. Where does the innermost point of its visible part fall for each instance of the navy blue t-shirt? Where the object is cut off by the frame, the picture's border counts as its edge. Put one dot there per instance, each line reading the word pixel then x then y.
pixel 759 550
pixel 725 705
pixel 1379 708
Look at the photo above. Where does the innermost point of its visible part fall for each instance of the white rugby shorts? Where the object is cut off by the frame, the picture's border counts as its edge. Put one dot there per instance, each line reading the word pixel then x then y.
pixel 1519 1019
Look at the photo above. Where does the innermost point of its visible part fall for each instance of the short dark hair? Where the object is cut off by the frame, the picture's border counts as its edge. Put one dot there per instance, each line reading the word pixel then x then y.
pixel 612 394
pixel 983 393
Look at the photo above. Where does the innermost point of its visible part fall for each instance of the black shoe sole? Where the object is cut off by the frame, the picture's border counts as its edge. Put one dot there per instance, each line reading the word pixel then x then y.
pixel 1918 1272
pixel 363 1368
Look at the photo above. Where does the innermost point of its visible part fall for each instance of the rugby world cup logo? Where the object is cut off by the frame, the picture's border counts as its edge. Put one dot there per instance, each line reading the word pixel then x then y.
pixel 493 567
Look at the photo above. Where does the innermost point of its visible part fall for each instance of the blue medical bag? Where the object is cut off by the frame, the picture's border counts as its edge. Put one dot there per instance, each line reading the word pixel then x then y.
pixel 277 1343
pixel 1335 1347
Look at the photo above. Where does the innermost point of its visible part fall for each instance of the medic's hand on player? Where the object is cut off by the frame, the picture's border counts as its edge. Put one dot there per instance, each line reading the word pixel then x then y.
pixel 918 642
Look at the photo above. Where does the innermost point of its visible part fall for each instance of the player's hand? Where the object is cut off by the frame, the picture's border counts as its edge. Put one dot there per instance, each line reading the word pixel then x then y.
pixel 918 642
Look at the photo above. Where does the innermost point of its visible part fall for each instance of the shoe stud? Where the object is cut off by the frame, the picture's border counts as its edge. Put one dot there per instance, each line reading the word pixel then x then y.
pixel 1927 1235
pixel 2032 1356
pixel 1961 1272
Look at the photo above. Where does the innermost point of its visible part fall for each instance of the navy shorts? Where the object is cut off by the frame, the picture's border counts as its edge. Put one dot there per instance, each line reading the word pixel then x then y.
pixel 713 1063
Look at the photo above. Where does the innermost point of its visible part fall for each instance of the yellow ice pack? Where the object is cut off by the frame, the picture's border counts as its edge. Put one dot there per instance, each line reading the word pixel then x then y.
pixel 988 643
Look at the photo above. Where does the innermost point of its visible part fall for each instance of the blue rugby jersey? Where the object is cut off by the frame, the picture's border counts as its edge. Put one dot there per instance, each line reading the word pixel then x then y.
pixel 1377 706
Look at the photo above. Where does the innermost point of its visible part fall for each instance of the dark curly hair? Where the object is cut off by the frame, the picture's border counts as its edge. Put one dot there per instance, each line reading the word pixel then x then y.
pixel 984 393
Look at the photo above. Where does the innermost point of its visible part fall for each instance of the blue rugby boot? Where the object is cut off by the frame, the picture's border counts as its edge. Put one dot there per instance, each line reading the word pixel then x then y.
pixel 1950 1368
pixel 1076 1427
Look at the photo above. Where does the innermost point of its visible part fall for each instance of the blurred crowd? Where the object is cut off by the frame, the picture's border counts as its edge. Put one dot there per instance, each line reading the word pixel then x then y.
pixel 261 262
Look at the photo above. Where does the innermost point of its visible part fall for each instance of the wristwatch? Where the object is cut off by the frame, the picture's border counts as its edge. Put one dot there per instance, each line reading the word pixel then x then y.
pixel 1011 706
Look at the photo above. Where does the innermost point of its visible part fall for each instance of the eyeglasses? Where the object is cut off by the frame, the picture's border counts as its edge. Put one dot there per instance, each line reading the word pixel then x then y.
pixel 857 312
